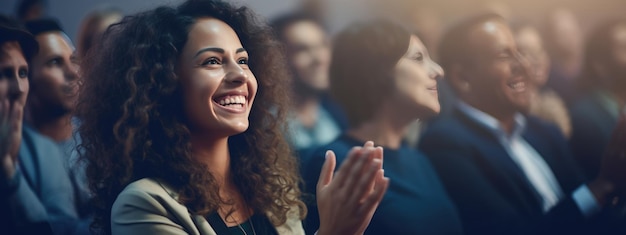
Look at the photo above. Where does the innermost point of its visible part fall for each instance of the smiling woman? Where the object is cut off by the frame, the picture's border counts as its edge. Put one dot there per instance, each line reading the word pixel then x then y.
pixel 179 148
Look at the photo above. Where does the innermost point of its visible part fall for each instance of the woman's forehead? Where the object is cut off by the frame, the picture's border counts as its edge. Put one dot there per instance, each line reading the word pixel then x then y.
pixel 211 32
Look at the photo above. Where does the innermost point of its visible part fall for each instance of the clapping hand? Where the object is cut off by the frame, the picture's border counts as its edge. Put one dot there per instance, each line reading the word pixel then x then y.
pixel 613 166
pixel 10 134
pixel 348 199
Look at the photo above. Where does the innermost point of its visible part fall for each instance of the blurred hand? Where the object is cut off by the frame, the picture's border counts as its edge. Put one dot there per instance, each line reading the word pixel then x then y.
pixel 347 201
pixel 10 135
pixel 612 177
pixel 614 161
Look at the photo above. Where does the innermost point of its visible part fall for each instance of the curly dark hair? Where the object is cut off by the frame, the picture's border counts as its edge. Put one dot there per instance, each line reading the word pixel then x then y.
pixel 133 125
pixel 379 42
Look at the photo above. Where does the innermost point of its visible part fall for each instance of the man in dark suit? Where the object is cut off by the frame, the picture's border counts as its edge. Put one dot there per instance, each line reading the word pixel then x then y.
pixel 507 173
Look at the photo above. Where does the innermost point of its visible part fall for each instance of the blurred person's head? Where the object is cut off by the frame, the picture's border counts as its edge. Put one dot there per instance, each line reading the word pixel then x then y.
pixel 93 26
pixel 530 44
pixel 53 70
pixel 605 57
pixel 564 37
pixel 16 47
pixel 485 67
pixel 30 9
pixel 379 65
pixel 307 52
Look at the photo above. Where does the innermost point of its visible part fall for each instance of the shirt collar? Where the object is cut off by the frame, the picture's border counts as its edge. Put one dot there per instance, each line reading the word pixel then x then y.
pixel 491 123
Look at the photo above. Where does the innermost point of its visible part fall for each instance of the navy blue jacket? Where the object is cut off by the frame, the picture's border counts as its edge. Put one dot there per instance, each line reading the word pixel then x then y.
pixel 490 191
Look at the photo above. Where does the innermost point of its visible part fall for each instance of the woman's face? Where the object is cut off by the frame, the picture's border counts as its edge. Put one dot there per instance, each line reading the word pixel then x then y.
pixel 416 81
pixel 218 86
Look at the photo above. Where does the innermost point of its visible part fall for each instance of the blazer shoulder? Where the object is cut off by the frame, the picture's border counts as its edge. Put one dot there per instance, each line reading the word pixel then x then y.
pixel 146 194
pixel 147 205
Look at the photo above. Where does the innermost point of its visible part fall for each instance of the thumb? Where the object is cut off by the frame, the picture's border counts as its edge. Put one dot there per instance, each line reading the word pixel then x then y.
pixel 328 169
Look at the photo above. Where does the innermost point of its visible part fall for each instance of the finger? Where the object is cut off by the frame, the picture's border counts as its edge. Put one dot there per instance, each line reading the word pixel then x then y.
pixel 358 171
pixel 368 144
pixel 365 184
pixel 5 123
pixel 378 154
pixel 328 169
pixel 4 111
pixel 346 165
pixel 372 201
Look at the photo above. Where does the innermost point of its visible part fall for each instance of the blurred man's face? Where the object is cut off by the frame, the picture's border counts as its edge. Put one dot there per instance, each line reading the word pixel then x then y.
pixel 499 76
pixel 54 72
pixel 308 53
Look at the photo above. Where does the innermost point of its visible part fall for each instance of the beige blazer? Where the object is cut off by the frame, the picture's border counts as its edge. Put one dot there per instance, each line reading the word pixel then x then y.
pixel 147 206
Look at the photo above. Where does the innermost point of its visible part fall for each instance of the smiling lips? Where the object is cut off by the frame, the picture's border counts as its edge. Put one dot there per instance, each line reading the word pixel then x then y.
pixel 433 89
pixel 518 86
pixel 236 101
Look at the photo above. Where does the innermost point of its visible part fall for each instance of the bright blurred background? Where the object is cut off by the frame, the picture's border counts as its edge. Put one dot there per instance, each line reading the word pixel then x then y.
pixel 337 13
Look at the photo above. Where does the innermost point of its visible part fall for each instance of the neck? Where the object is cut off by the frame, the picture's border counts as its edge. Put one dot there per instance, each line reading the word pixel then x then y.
pixel 57 128
pixel 384 129
pixel 213 152
pixel 307 108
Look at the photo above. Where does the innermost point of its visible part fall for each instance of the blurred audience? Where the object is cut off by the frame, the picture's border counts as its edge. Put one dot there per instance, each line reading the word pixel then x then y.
pixel 545 103
pixel 315 120
pixel 508 173
pixel 525 135
pixel 36 193
pixel 94 25
pixel 595 115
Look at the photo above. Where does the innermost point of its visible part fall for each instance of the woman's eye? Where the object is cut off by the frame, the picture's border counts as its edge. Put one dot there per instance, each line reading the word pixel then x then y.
pixel 242 61
pixel 54 62
pixel 419 57
pixel 211 61
pixel 23 73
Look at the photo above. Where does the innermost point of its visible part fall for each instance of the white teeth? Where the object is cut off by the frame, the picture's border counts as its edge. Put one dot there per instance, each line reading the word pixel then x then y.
pixel 232 100
pixel 518 85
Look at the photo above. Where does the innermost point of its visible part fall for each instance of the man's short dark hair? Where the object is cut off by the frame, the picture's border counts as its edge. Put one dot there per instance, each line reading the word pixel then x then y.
pixel 455 46
pixel 40 26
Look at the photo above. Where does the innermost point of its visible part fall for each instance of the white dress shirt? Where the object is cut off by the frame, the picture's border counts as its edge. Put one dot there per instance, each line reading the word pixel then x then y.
pixel 531 163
